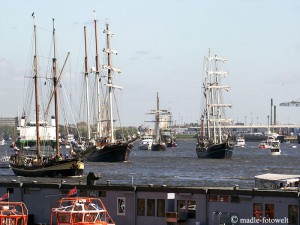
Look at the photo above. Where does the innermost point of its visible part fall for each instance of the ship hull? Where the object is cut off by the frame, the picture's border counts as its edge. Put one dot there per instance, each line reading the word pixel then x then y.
pixel 216 151
pixel 110 153
pixel 158 147
pixel 64 168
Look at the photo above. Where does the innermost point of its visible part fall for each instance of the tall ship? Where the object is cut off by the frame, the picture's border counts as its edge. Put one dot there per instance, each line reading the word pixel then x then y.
pixel 108 147
pixel 213 140
pixel 40 161
pixel 161 139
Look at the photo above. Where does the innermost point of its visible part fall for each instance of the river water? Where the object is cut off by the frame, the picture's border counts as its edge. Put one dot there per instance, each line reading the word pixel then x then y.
pixel 181 167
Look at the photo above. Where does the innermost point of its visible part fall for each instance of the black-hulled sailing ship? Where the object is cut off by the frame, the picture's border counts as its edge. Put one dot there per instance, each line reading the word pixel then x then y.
pixel 108 148
pixel 158 143
pixel 36 163
pixel 213 140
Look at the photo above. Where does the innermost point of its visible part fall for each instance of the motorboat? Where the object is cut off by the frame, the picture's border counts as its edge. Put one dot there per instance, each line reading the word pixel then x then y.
pixel 275 149
pixel 267 144
pixel 146 141
pixel 240 142
pixel 4 161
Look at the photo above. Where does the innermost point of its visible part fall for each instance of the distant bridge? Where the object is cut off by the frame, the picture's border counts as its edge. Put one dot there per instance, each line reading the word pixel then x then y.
pixel 275 126
pixel 255 127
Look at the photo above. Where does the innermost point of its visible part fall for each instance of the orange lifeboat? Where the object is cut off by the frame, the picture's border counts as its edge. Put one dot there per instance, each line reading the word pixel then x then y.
pixel 81 211
pixel 13 213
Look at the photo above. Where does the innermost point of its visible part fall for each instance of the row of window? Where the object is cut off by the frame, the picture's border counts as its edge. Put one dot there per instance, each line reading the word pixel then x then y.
pixel 267 211
pixel 147 207
pixel 157 207
pixel 224 198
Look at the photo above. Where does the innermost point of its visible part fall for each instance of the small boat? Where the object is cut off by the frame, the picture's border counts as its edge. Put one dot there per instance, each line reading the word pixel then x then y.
pixel 267 144
pixel 13 213
pixel 214 141
pixel 168 137
pixel 2 142
pixel 80 210
pixel 4 161
pixel 275 149
pixel 146 141
pixel 240 142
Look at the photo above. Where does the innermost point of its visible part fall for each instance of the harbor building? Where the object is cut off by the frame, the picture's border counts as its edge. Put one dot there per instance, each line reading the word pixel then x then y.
pixel 163 205
pixel 8 121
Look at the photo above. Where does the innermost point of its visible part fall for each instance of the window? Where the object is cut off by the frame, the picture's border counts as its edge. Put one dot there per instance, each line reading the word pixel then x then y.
pixel 63 217
pixel 191 209
pixel 224 198
pixel 102 194
pixel 77 217
pixel 235 198
pixel 150 207
pixel 269 211
pixel 181 205
pixel 293 214
pixel 258 211
pixel 141 207
pixel 90 217
pixel 161 207
pixel 10 190
pixel 121 206
pixel 213 198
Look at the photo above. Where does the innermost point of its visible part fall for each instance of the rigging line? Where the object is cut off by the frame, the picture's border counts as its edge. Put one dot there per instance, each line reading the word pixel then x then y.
pixel 71 111
pixel 117 108
pixel 63 110
pixel 29 64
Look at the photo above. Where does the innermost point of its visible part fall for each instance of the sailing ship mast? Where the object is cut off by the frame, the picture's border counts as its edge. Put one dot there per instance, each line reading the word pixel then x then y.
pixel 86 73
pixel 98 80
pixel 214 105
pixel 110 70
pixel 36 92
pixel 55 83
pixel 157 128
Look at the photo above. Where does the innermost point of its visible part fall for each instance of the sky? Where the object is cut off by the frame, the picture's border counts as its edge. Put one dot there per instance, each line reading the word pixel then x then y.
pixel 161 45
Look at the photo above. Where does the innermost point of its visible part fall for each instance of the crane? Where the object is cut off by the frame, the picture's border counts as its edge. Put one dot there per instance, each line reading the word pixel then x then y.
pixel 291 103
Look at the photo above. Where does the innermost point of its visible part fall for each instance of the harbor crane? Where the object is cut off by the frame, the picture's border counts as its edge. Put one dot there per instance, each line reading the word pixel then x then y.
pixel 292 103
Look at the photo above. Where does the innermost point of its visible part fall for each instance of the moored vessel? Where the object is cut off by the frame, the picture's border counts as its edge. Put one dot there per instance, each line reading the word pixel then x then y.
pixel 80 210
pixel 13 213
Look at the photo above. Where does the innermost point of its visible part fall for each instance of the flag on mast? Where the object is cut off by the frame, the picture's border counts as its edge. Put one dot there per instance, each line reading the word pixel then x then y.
pixel 5 197
pixel 72 192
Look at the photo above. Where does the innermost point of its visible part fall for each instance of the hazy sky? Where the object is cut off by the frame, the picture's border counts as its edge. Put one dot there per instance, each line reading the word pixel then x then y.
pixel 161 45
